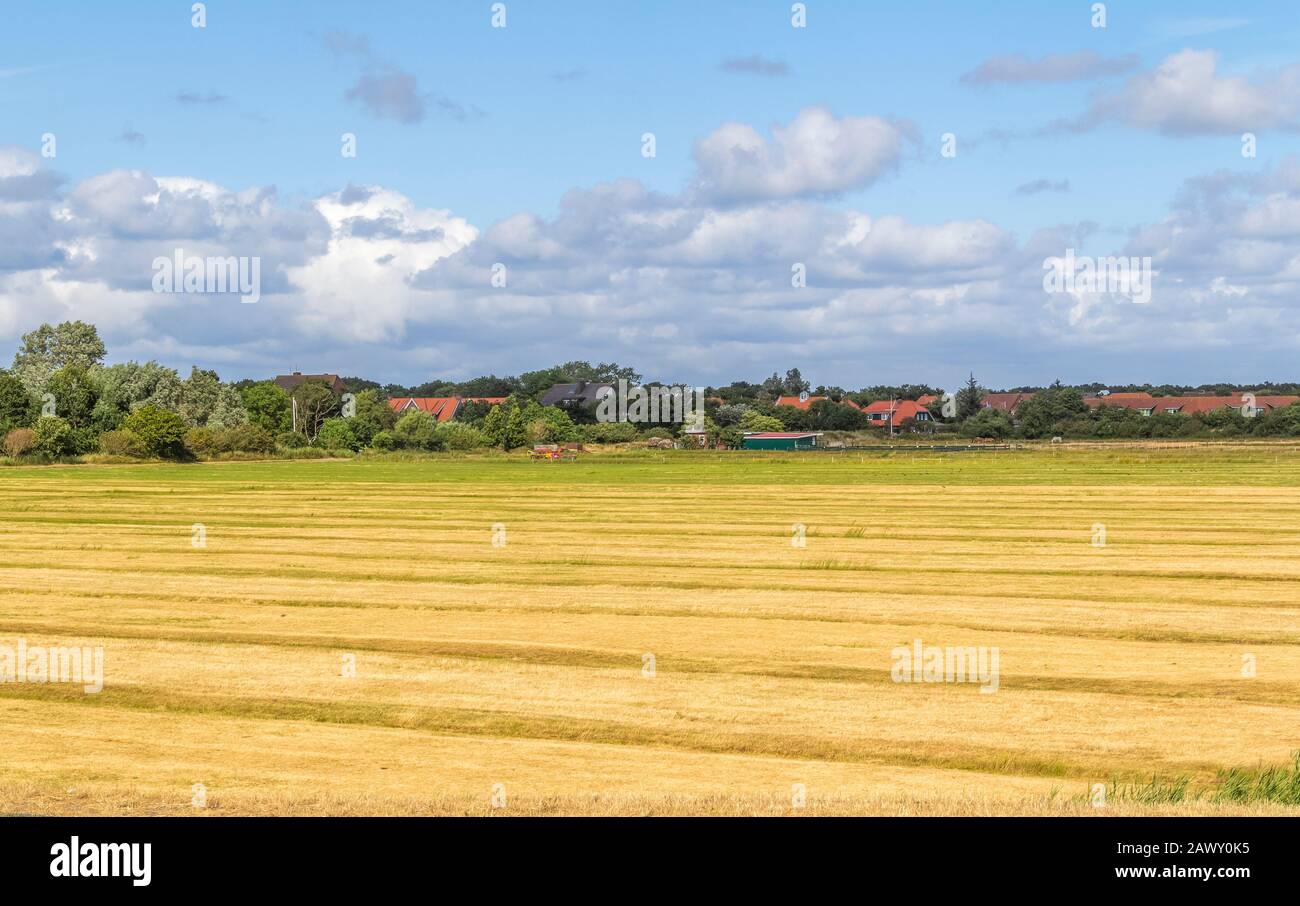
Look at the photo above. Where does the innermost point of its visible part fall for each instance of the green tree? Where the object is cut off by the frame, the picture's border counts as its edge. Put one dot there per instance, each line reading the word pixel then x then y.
pixel 516 430
pixel 267 406
pixel 534 383
pixel 129 385
pixel 54 437
pixel 755 421
pixel 794 383
pixel 992 423
pixel 47 349
pixel 17 408
pixel 315 403
pixel 160 432
pixel 75 395
pixel 825 415
pixel 416 431
pixel 337 434
pixel 229 411
pixel 549 425
pixel 968 399
pixel 494 424
pixel 372 415
pixel 460 436
pixel 1043 413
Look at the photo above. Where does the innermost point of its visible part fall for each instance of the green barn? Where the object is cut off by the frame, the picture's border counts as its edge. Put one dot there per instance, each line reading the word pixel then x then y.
pixel 782 440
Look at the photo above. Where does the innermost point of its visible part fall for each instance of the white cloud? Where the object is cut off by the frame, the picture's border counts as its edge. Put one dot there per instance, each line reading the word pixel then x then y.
pixel 364 280
pixel 1186 94
pixel 815 155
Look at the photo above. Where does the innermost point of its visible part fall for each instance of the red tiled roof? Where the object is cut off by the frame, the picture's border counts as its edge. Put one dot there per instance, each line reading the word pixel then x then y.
pixel 1186 405
pixel 804 403
pixel 895 410
pixel 1007 402
pixel 927 399
pixel 443 408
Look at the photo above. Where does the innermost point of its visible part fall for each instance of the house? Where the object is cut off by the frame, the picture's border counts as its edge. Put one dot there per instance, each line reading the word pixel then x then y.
pixel 575 395
pixel 803 402
pixel 1005 402
pixel 290 382
pixel 927 400
pixel 442 408
pixel 891 413
pixel 1248 404
pixel 782 440
pixel 695 437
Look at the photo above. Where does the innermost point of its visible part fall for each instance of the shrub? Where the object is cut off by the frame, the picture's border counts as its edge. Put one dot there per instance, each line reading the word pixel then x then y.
pixel 608 433
pixel 661 433
pixel 384 440
pixel 337 434
pixel 19 442
pixel 119 443
pixel 54 437
pixel 756 421
pixel 417 430
pixel 290 440
pixel 460 436
pixel 160 432
pixel 248 438
pixel 199 441
pixel 993 423
pixel 549 425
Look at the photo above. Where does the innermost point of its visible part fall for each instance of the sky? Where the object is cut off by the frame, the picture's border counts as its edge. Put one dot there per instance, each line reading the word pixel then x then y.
pixel 910 166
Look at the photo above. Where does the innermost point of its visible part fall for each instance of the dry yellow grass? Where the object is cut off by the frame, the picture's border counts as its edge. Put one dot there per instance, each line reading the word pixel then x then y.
pixel 519 669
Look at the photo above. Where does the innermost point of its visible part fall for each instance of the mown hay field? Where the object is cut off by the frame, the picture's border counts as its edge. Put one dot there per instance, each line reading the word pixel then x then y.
pixel 644 634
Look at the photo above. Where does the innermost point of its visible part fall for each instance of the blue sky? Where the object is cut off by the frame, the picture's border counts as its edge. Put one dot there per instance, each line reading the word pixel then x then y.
pixel 492 126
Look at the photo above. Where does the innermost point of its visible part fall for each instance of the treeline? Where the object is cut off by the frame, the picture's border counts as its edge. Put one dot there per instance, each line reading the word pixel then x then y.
pixel 59 400
pixel 1060 411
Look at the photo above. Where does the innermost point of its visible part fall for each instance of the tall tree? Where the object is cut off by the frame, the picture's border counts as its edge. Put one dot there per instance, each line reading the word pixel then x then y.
pixel 75 395
pixel 794 383
pixel 47 349
pixel 267 406
pixel 313 402
pixel 968 399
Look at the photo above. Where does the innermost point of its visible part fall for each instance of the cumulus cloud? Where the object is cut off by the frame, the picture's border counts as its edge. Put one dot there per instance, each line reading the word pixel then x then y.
pixel 1018 68
pixel 817 154
pixel 756 65
pixel 1186 95
pixel 682 284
